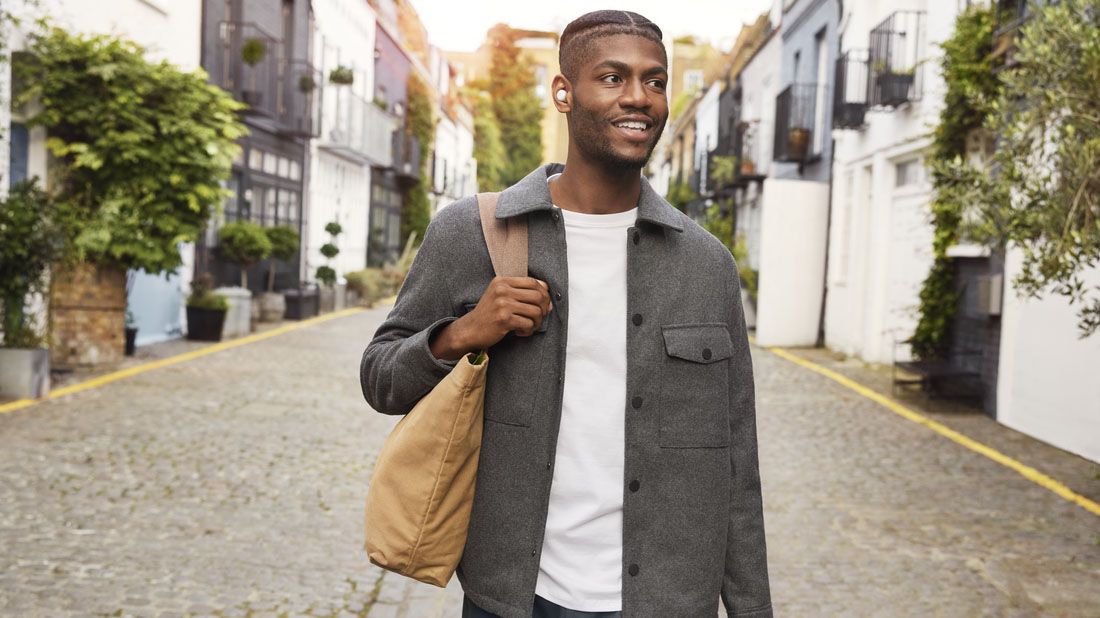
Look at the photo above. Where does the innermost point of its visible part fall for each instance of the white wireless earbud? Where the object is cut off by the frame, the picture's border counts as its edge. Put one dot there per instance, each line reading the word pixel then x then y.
pixel 561 96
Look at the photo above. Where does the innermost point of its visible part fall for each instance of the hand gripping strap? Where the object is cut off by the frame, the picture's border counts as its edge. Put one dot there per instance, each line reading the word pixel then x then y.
pixel 506 238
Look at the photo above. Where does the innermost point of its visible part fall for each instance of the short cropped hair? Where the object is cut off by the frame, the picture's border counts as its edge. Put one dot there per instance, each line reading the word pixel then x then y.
pixel 577 39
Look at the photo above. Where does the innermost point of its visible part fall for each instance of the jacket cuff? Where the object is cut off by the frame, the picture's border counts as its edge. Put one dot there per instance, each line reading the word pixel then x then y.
pixel 420 352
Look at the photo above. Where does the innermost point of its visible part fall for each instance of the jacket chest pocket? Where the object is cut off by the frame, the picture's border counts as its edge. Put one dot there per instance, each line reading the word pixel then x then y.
pixel 695 386
pixel 513 379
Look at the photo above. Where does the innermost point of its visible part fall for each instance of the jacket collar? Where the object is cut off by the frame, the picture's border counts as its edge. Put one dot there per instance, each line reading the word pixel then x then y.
pixel 532 193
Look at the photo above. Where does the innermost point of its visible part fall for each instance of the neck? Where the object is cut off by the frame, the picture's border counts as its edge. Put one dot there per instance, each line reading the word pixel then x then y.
pixel 595 189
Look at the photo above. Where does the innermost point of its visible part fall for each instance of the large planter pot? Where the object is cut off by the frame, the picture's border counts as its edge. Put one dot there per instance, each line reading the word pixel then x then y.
pixel 341 300
pixel 131 340
pixel 798 143
pixel 238 320
pixel 205 324
pixel 301 303
pixel 328 299
pixel 24 372
pixel 272 306
pixel 893 88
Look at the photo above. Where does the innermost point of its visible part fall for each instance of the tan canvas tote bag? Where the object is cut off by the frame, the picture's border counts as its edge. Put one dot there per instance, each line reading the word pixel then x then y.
pixel 422 489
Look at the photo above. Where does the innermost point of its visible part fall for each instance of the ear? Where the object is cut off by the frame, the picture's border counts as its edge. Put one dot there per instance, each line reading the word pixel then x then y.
pixel 561 83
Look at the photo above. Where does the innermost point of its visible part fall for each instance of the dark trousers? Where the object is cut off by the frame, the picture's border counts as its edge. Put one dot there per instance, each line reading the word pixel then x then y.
pixel 542 609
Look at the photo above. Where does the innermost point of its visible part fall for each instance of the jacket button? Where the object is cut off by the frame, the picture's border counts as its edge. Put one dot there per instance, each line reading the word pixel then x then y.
pixel 632 569
pixel 634 485
pixel 548 465
pixel 532 552
pixel 706 353
pixel 637 237
pixel 637 319
pixel 636 402
pixel 557 295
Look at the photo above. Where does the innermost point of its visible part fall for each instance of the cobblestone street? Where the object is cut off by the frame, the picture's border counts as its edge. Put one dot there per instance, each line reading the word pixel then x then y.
pixel 233 485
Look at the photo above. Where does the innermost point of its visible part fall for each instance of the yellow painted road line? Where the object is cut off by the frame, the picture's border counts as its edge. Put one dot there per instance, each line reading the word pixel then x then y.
pixel 173 360
pixel 1027 472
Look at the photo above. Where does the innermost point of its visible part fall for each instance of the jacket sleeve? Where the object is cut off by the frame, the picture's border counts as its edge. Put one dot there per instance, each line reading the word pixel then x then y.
pixel 745 589
pixel 398 367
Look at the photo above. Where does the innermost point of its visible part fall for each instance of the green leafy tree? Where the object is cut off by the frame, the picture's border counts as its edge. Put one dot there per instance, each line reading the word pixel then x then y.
pixel 416 209
pixel 284 246
pixel 141 148
pixel 679 194
pixel 516 107
pixel 1044 196
pixel 971 89
pixel 243 243
pixel 488 147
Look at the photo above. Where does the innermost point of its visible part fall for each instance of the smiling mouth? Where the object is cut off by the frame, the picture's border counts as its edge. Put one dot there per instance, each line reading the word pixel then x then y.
pixel 633 130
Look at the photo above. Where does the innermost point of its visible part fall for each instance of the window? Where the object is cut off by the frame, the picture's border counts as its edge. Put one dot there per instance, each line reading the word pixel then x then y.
pixel 18 149
pixel 271 202
pixel 271 164
pixel 256 159
pixel 295 171
pixel 693 80
pixel 284 167
pixel 907 173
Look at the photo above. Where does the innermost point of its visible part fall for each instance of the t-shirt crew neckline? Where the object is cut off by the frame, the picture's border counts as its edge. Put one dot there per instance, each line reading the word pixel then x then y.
pixel 573 218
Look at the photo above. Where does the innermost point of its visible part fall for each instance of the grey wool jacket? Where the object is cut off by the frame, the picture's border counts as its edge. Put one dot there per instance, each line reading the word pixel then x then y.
pixel 693 525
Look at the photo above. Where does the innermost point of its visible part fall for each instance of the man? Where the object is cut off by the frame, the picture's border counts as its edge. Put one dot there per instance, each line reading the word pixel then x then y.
pixel 618 472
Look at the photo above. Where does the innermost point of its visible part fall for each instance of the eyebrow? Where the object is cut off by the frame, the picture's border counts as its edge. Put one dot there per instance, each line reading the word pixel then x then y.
pixel 624 68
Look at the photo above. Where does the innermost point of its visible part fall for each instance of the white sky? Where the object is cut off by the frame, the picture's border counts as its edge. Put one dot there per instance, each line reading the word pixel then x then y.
pixel 460 25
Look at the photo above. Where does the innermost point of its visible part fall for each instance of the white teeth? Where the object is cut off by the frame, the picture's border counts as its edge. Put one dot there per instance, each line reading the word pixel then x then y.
pixel 638 126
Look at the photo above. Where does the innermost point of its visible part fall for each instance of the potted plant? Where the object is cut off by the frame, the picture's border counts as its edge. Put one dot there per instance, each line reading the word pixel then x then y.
pixel 326 274
pixel 205 310
pixel 131 333
pixel 893 84
pixel 748 167
pixel 28 246
pixel 306 84
pixel 284 246
pixel 798 143
pixel 342 76
pixel 243 243
pixel 253 52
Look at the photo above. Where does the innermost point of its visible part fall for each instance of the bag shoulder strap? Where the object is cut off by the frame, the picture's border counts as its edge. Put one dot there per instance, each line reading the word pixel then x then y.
pixel 506 238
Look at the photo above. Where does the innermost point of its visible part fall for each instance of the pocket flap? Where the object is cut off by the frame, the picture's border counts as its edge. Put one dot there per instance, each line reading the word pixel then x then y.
pixel 698 343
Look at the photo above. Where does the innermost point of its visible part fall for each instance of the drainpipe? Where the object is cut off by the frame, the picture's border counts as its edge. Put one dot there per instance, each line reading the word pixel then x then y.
pixel 820 343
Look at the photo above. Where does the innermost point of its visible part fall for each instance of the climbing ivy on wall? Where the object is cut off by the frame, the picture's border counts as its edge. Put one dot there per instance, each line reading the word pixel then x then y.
pixel 416 211
pixel 972 88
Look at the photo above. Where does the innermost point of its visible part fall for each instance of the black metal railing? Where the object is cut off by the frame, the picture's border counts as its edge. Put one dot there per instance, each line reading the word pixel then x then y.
pixel 850 93
pixel 733 165
pixel 246 64
pixel 406 156
pixel 897 46
pixel 795 119
pixel 300 104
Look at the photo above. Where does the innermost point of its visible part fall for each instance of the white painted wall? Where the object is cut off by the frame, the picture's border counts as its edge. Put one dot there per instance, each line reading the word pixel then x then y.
pixel 339 186
pixel 455 174
pixel 706 130
pixel 1047 378
pixel 792 262
pixel 880 235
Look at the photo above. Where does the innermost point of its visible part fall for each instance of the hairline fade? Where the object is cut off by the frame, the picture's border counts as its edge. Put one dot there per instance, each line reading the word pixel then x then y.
pixel 580 35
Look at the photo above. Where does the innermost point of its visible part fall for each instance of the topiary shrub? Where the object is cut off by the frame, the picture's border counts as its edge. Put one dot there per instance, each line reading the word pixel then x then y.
pixel 244 243
pixel 284 246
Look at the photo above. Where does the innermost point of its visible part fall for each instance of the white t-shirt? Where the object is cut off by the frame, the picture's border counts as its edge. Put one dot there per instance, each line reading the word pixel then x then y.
pixel 581 563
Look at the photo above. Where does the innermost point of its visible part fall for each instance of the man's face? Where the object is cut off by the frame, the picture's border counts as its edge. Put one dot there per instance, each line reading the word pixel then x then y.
pixel 621 85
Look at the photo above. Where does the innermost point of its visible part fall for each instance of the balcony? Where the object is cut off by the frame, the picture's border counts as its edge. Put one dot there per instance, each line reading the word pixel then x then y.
pixel 850 94
pixel 739 168
pixel 897 46
pixel 406 157
pixel 300 101
pixel 795 123
pixel 360 131
pixel 246 64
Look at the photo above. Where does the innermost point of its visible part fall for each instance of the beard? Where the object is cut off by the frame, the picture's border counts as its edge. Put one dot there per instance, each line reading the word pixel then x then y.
pixel 590 130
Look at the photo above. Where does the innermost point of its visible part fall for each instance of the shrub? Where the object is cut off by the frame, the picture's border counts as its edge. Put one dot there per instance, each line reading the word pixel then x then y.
pixel 202 297
pixel 284 246
pixel 29 242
